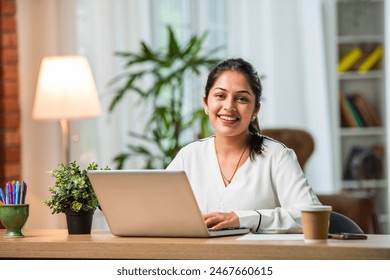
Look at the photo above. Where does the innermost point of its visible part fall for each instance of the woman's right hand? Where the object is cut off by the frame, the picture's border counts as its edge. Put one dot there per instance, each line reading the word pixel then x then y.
pixel 221 220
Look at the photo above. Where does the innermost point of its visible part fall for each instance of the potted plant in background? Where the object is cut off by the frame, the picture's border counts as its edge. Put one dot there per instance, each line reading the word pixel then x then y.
pixel 166 69
pixel 73 195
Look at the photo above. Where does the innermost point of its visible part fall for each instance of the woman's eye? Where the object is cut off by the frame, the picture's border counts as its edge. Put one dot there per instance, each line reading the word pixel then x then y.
pixel 219 95
pixel 242 99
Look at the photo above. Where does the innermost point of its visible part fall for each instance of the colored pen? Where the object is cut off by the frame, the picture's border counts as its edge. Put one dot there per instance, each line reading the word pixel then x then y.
pixel 13 191
pixel 7 194
pixel 12 196
pixel 17 190
pixel 2 198
pixel 23 195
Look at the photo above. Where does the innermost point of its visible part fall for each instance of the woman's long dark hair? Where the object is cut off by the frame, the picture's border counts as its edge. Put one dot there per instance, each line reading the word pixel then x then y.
pixel 253 79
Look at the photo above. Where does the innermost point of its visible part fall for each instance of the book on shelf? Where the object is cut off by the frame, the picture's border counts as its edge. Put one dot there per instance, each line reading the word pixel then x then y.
pixel 356 111
pixel 349 59
pixel 347 119
pixel 367 113
pixel 372 59
pixel 349 115
pixel 366 51
pixel 360 58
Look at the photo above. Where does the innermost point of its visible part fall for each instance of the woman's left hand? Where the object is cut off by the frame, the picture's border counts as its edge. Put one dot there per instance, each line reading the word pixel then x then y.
pixel 221 220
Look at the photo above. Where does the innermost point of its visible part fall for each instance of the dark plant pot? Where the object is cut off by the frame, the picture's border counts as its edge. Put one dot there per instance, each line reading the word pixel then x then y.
pixel 79 222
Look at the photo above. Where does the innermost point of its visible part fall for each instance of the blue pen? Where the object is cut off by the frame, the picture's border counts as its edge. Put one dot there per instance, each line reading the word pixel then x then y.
pixel 7 193
pixel 13 192
pixel 17 189
pixel 24 190
pixel 2 196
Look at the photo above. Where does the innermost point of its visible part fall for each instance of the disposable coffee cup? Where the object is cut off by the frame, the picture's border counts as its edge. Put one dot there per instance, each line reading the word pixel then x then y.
pixel 315 222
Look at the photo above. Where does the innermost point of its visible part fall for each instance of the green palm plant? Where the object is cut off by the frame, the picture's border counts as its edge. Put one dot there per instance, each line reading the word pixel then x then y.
pixel 166 69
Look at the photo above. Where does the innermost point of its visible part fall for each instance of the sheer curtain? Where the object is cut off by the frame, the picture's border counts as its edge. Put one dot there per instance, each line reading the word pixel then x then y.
pixel 105 27
pixel 42 31
pixel 290 53
pixel 317 97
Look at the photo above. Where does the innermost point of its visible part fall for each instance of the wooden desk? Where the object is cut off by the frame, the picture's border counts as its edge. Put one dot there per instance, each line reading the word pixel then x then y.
pixel 57 244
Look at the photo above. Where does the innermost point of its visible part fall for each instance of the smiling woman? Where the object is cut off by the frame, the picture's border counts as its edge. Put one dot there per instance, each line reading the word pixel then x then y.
pixel 231 103
pixel 239 177
pixel 235 89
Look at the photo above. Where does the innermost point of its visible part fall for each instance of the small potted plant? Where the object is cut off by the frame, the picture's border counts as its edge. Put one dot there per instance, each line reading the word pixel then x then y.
pixel 73 195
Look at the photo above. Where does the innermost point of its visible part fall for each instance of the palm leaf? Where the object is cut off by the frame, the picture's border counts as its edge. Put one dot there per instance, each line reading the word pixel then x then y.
pixel 165 71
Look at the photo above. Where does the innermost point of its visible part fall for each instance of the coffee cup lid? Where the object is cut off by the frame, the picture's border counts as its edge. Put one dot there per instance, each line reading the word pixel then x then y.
pixel 316 208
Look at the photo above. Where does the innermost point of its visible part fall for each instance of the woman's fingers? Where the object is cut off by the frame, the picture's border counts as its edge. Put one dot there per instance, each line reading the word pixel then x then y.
pixel 221 220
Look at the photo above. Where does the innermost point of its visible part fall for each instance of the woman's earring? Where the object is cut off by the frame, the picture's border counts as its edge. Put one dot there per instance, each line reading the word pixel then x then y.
pixel 253 118
pixel 207 112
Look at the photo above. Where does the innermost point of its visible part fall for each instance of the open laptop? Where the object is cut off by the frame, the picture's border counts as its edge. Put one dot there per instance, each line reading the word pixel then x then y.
pixel 151 203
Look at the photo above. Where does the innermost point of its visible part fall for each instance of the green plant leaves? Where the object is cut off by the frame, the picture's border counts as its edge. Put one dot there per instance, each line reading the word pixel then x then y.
pixel 158 77
pixel 72 189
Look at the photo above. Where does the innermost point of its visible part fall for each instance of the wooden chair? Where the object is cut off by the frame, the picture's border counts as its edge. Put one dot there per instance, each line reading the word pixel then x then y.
pixel 297 139
pixel 360 209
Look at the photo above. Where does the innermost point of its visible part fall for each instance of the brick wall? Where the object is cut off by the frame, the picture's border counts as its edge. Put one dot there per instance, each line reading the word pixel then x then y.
pixel 10 166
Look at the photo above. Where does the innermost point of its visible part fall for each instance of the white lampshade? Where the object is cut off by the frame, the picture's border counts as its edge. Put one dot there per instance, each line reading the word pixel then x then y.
pixel 65 89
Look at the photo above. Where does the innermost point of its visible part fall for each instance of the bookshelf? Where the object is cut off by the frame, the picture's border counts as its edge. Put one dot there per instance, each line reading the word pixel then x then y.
pixel 356 49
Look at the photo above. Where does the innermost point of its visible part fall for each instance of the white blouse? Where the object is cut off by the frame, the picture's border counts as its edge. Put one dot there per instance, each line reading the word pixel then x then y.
pixel 272 185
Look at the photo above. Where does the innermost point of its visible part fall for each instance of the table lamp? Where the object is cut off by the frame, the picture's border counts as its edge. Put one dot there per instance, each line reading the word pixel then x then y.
pixel 65 91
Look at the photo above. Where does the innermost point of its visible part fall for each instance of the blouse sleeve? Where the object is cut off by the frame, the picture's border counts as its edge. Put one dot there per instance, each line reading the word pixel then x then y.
pixel 292 191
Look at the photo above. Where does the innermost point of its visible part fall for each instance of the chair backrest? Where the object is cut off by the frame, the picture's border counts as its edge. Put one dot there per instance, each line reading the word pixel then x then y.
pixel 297 139
pixel 339 223
pixel 361 209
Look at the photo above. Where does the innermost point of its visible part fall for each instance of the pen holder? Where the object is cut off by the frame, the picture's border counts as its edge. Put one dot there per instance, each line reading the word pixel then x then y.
pixel 13 218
